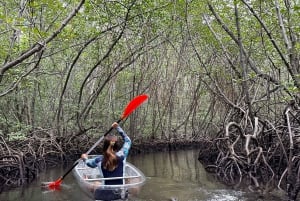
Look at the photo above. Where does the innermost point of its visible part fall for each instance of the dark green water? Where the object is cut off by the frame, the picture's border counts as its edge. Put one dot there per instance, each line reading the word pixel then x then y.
pixel 176 174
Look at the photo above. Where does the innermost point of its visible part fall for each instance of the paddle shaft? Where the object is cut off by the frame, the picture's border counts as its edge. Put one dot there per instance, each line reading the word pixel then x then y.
pixel 89 151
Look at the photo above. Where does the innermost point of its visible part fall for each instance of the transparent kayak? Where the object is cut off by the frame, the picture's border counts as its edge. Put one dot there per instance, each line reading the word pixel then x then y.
pixel 92 183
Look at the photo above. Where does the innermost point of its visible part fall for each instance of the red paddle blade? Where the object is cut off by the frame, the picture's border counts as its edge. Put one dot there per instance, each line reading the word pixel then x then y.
pixel 55 184
pixel 133 104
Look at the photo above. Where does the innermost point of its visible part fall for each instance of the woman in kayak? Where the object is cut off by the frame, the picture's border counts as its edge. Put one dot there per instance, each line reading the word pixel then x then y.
pixel 112 163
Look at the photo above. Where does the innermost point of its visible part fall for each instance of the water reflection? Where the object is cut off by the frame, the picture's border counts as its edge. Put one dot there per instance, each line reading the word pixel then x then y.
pixel 179 175
pixel 176 174
pixel 180 166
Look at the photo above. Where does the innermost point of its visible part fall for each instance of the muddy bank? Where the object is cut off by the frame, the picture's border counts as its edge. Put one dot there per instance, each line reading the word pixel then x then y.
pixel 156 146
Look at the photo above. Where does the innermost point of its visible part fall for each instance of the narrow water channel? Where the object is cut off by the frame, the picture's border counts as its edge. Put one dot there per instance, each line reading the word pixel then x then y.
pixel 173 175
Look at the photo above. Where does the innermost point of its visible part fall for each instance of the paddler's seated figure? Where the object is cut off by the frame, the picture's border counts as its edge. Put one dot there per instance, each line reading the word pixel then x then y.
pixel 112 163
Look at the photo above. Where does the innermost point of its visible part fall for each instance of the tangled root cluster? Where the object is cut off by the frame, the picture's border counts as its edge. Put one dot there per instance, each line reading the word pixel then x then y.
pixel 259 154
pixel 21 161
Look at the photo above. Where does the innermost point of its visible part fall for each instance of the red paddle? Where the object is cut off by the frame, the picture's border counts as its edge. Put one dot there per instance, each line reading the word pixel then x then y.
pixel 131 106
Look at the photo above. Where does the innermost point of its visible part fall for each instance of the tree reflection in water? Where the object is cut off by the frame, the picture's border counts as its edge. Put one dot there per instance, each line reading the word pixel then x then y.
pixel 170 175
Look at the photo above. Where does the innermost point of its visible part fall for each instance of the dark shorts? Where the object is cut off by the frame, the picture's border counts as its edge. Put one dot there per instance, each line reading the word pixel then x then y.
pixel 108 194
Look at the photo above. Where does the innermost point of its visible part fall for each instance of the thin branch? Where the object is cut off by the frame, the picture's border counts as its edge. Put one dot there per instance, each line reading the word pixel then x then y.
pixel 41 44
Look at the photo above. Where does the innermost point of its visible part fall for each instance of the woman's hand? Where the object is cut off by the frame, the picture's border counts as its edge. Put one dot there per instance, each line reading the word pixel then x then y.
pixel 84 156
pixel 115 125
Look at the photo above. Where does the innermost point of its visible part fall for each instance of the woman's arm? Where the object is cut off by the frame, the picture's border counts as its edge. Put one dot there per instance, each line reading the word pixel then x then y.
pixel 91 162
pixel 127 143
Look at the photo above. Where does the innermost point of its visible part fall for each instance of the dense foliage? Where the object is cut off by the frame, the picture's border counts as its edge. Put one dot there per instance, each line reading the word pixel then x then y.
pixel 68 67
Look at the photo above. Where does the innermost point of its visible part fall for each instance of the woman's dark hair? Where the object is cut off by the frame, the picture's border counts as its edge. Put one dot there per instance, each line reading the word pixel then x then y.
pixel 110 160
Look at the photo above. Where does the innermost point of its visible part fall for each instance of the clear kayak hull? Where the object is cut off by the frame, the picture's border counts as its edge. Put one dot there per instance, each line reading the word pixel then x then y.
pixel 92 183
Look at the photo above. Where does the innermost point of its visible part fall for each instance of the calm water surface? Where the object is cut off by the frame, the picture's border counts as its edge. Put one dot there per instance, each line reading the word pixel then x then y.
pixel 176 174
